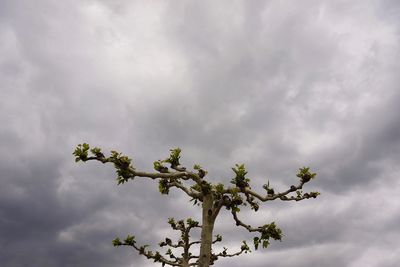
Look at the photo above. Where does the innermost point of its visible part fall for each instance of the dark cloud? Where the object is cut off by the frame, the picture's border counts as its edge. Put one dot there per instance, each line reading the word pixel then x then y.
pixel 271 84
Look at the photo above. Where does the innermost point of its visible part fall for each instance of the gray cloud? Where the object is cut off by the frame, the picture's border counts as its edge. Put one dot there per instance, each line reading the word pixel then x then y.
pixel 271 84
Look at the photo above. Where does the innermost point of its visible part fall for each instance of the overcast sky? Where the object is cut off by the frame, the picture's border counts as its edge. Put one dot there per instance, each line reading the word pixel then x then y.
pixel 273 84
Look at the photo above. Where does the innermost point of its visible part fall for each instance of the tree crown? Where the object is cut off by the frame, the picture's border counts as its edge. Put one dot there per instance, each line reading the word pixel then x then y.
pixel 213 197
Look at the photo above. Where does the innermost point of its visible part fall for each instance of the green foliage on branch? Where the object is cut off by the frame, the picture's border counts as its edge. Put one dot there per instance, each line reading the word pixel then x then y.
pixel 81 152
pixel 211 197
pixel 305 175
pixel 174 157
pixel 163 187
pixel 240 179
pixel 158 166
pixel 267 231
pixel 245 247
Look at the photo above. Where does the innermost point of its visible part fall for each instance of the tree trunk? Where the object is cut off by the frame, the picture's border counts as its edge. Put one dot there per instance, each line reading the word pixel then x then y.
pixel 206 231
pixel 185 255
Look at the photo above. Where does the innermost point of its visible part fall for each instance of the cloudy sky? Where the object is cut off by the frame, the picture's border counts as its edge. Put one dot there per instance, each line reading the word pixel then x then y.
pixel 273 84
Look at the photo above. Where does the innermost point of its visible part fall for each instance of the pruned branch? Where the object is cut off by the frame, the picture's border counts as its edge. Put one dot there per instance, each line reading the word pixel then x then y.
pixel 266 231
pixel 157 257
pixel 242 186
pixel 224 254
pixel 126 171
pixel 283 195
pixel 240 223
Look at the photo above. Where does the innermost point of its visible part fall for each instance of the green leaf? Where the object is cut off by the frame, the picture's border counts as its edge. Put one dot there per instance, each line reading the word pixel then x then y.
pixel 197 167
pixel 95 150
pixel 163 187
pixel 85 146
pixel 219 188
pixel 245 247
pixel 235 209
pixel 174 157
pixel 256 241
pixel 218 238
pixel 240 179
pixel 192 223
pixel 129 240
pixel 81 152
pixel 305 175
pixel 116 242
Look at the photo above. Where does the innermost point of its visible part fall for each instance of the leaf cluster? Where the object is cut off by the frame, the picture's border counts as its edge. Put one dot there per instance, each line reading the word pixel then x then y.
pixel 267 231
pixel 163 186
pixel 174 157
pixel 81 152
pixel 128 241
pixel 305 175
pixel 240 179
pixel 122 165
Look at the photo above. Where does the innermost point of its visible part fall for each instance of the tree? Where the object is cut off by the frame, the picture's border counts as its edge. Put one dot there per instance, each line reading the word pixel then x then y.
pixel 211 198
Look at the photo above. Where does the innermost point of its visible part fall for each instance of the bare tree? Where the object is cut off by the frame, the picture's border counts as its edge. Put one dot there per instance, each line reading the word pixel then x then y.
pixel 212 197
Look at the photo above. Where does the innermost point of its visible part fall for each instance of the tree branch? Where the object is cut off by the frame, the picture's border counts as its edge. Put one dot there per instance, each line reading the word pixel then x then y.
pixel 130 173
pixel 267 197
pixel 157 257
pixel 240 223
pixel 283 195
pixel 225 254
pixel 266 231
